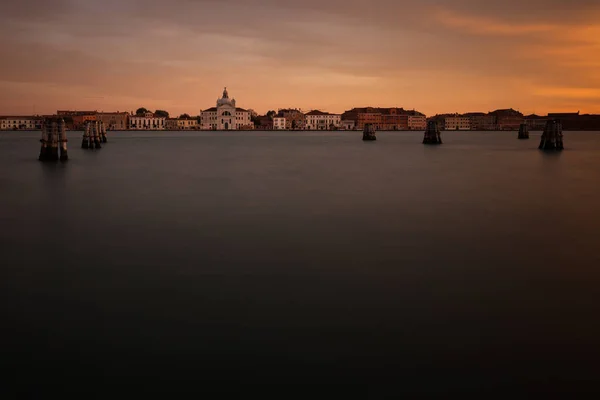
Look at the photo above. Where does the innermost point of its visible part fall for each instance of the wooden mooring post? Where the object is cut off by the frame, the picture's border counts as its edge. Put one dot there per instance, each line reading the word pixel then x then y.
pixel 523 131
pixel 62 131
pixel 92 136
pixel 552 138
pixel 369 132
pixel 432 133
pixel 96 131
pixel 103 132
pixel 53 133
pixel 85 144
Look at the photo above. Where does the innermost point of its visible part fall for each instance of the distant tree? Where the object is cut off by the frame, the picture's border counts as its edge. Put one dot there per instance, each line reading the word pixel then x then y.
pixel 255 120
pixel 271 114
pixel 184 116
pixel 162 113
pixel 141 111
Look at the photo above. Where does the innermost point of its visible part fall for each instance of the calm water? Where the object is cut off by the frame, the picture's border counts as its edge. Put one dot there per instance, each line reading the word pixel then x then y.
pixel 177 261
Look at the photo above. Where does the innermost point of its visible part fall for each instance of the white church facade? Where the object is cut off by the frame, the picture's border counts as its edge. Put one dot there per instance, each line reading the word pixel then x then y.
pixel 226 116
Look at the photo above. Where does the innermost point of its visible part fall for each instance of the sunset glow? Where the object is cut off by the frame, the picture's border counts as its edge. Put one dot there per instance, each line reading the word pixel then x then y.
pixel 433 56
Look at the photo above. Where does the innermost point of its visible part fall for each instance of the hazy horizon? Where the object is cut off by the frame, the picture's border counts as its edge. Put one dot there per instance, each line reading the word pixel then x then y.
pixel 435 56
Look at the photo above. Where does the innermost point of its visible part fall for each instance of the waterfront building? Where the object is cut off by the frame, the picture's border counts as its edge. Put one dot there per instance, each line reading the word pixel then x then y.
pixel 171 124
pixel 279 123
pixel 76 120
pixel 417 122
pixel 321 121
pixel 481 121
pixel 386 119
pixel 535 122
pixel 265 123
pixel 187 124
pixel 508 119
pixel 577 121
pixel 226 116
pixel 28 123
pixel 457 123
pixel 294 118
pixel 348 125
pixel 393 119
pixel 362 116
pixel 147 121
pixel 114 121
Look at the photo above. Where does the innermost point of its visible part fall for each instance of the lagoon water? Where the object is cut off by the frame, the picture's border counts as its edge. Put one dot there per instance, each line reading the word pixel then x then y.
pixel 176 261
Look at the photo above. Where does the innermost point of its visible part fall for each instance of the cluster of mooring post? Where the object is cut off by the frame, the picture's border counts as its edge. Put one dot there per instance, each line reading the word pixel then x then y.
pixel 93 134
pixel 523 131
pixel 432 134
pixel 54 138
pixel 552 138
pixel 369 132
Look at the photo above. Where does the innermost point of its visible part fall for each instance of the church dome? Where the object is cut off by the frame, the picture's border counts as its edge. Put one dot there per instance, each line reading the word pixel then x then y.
pixel 225 100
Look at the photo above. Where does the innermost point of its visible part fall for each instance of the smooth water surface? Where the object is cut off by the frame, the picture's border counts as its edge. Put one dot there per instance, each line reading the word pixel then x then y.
pixel 174 260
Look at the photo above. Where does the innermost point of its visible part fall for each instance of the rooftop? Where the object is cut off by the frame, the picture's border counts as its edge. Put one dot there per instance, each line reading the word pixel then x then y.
pixel 317 112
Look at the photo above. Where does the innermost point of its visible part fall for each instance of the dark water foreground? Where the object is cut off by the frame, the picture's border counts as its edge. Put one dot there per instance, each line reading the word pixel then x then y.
pixel 300 262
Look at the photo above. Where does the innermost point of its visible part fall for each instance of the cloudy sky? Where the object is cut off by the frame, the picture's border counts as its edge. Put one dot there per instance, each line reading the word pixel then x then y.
pixel 432 55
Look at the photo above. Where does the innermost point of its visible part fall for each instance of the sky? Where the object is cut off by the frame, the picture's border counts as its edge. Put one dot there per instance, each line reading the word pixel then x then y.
pixel 434 56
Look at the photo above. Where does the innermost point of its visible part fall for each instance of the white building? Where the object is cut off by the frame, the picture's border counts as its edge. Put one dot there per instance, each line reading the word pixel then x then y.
pixel 226 116
pixel 20 123
pixel 186 124
pixel 148 121
pixel 321 121
pixel 279 123
pixel 457 123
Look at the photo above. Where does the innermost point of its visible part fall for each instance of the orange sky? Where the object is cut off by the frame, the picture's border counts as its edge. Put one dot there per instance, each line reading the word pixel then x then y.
pixel 432 55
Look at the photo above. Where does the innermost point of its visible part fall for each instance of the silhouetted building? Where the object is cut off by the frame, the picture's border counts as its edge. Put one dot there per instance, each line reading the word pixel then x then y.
pixel 508 120
pixel 265 123
pixel 482 121
pixel 386 119
pixel 535 122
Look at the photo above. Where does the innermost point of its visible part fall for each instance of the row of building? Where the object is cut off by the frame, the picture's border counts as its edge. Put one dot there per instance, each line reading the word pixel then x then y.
pixel 227 116
pixel 501 120
pixel 509 119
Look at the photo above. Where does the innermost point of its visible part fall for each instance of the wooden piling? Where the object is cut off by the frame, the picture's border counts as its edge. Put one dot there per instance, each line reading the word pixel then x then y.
pixel 85 144
pixel 432 133
pixel 44 151
pixel 103 132
pixel 369 132
pixel 62 131
pixel 96 130
pixel 523 131
pixel 53 140
pixel 552 138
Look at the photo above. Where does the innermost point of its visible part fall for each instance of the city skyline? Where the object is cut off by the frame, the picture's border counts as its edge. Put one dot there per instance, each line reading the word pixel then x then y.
pixel 435 57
